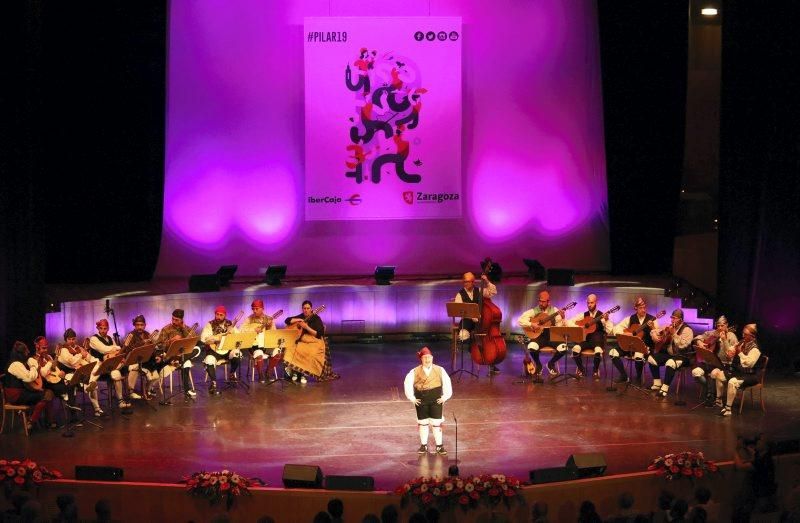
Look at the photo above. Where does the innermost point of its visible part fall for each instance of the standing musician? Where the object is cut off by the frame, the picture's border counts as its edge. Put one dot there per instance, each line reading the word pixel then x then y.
pixel 102 347
pixel 677 337
pixel 135 339
pixel 746 362
pixel 176 330
pixel 21 373
pixel 52 377
pixel 258 322
pixel 595 340
pixel 311 355
pixel 640 317
pixel 71 357
pixel 428 386
pixel 469 295
pixel 544 339
pixel 721 340
pixel 211 336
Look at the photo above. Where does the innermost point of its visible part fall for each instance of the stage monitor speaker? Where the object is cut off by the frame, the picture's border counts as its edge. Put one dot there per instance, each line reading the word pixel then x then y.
pixel 302 476
pixel 560 277
pixel 92 473
pixel 587 465
pixel 350 483
pixel 203 283
pixel 553 474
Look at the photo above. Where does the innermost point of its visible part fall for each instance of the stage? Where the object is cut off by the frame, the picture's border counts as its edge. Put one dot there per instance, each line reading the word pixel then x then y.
pixel 362 424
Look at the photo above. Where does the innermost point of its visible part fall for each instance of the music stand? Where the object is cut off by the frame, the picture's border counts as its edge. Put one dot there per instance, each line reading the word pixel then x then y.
pixel 232 342
pixel 177 350
pixel 632 344
pixel 461 310
pixel 566 335
pixel 280 339
pixel 713 361
pixel 81 375
pixel 138 356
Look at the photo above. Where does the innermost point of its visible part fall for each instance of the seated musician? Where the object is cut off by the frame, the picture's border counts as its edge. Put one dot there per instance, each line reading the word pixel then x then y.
pixel 102 347
pixel 469 295
pixel 71 357
pixel 746 362
pixel 534 346
pixel 258 322
pixel 52 377
pixel 311 355
pixel 719 341
pixel 640 317
pixel 21 373
pixel 676 338
pixel 176 330
pixel 594 341
pixel 211 336
pixel 135 339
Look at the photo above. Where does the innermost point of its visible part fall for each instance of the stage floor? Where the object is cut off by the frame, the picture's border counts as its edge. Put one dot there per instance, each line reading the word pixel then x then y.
pixel 363 425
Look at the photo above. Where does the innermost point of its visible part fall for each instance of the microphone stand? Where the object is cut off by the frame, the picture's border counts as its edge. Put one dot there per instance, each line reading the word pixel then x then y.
pixel 110 313
pixel 453 469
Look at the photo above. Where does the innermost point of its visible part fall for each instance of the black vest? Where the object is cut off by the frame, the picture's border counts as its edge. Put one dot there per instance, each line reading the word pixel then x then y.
pixel 108 342
pixel 634 320
pixel 598 337
pixel 476 293
pixel 12 382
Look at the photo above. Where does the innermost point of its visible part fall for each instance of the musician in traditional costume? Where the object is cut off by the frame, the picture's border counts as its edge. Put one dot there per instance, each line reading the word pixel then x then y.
pixel 211 336
pixel 676 339
pixel 534 346
pixel 102 347
pixel 747 361
pixel 52 377
pixel 176 330
pixel 596 340
pixel 650 323
pixel 469 294
pixel 310 355
pixel 722 339
pixel 428 386
pixel 258 322
pixel 71 357
pixel 21 373
pixel 138 337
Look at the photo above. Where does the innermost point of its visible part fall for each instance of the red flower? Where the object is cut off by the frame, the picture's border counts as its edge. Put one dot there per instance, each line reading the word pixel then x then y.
pixel 223 486
pixel 19 480
pixel 674 469
pixel 474 495
pixel 494 492
pixel 10 472
pixel 712 467
pixel 463 499
pixel 510 493
pixel 426 498
pixel 698 473
pixel 686 471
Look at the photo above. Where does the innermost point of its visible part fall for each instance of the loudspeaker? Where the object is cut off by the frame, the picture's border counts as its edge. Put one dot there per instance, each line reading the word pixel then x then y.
pixel 560 277
pixel 553 474
pixel 349 483
pixel 302 476
pixel 203 283
pixel 92 473
pixel 587 465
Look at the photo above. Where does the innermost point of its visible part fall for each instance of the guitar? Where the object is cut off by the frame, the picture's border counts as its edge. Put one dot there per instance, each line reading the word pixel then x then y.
pixel 543 320
pixel 528 366
pixel 217 341
pixel 590 324
pixel 638 330
pixel 314 312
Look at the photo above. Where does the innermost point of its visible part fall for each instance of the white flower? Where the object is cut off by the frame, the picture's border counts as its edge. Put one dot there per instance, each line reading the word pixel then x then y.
pixel 460 484
pixel 469 487
pixel 448 486
pixel 423 487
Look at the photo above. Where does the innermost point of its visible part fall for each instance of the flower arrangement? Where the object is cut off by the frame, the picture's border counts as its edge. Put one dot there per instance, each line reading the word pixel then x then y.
pixel 683 464
pixel 219 486
pixel 467 492
pixel 24 473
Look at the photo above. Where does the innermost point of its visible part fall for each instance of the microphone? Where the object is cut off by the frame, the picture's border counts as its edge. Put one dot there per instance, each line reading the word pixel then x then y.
pixel 453 469
pixel 108 308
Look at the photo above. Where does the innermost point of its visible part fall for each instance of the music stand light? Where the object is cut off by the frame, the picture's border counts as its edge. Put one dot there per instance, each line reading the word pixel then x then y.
pixel 384 274
pixel 274 274
pixel 225 274
pixel 536 270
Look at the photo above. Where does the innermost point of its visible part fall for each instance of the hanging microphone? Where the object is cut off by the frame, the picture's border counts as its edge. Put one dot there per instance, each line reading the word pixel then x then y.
pixel 108 308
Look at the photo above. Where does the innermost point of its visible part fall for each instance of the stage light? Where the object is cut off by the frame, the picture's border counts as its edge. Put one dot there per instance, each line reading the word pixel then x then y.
pixel 274 274
pixel 226 273
pixel 536 270
pixel 709 11
pixel 384 274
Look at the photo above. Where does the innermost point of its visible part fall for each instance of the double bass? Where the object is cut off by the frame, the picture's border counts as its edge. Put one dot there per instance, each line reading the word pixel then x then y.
pixel 489 347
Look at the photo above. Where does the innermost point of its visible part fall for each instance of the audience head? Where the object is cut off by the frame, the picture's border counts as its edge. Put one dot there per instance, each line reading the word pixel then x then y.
pixel 625 500
pixel 322 517
pixel 336 508
pixel 702 495
pixel 665 500
pixel 698 515
pixel 31 511
pixel 103 510
pixel 389 514
pixel 371 518
pixel 64 500
pixel 418 517
pixel 679 509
